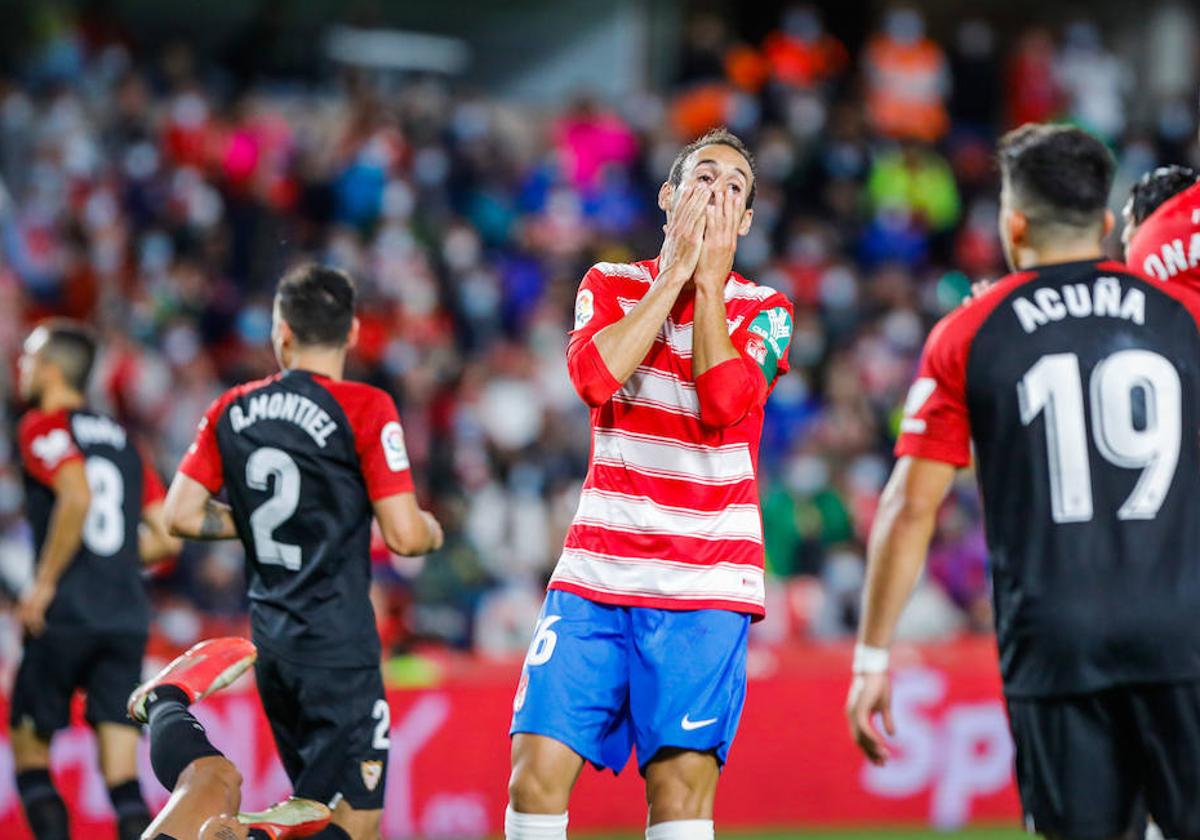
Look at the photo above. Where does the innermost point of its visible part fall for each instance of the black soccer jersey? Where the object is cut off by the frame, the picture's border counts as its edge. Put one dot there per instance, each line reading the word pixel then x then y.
pixel 1079 385
pixel 101 590
pixel 302 457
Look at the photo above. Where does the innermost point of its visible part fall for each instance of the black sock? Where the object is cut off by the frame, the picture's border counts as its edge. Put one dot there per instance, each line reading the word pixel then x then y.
pixel 44 808
pixel 133 817
pixel 331 832
pixel 176 737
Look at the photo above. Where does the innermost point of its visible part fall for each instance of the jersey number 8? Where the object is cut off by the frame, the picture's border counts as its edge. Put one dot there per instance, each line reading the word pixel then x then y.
pixel 263 465
pixel 1054 386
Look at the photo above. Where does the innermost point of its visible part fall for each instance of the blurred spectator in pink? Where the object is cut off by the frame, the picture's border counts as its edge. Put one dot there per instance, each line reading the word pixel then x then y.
pixel 588 138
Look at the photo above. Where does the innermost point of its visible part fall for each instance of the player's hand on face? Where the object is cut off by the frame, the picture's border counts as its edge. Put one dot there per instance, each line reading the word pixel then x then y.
pixel 437 537
pixel 32 609
pixel 871 694
pixel 723 217
pixel 684 232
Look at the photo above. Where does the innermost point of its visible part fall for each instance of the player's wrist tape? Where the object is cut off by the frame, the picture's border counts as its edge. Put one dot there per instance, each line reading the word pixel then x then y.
pixel 870 660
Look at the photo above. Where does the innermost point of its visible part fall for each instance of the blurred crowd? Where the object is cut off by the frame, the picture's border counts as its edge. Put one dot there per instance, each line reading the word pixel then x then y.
pixel 145 192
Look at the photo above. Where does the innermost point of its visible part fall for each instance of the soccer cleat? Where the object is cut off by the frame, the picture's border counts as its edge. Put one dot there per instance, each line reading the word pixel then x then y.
pixel 289 819
pixel 204 668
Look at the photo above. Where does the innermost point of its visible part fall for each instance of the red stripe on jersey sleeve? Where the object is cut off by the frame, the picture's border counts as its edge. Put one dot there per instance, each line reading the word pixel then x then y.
pixel 202 461
pixel 936 424
pixel 46 444
pixel 378 436
pixel 596 307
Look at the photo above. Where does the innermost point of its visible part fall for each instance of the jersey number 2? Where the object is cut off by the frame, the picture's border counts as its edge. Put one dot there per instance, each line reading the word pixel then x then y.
pixel 262 465
pixel 1054 386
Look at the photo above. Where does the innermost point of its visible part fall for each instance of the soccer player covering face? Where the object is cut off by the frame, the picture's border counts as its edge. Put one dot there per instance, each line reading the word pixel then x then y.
pixel 1077 381
pixel 307 459
pixel 642 639
pixel 95 507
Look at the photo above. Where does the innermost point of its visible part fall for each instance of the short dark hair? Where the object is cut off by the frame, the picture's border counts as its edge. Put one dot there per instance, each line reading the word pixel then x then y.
pixel 72 347
pixel 317 302
pixel 716 137
pixel 1059 175
pixel 1154 188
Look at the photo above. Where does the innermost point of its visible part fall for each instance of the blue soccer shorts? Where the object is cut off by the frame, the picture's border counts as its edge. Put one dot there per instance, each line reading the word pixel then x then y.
pixel 603 679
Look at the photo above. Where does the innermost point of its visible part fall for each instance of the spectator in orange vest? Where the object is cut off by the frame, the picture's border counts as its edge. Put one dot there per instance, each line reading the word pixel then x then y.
pixel 907 80
pixel 801 53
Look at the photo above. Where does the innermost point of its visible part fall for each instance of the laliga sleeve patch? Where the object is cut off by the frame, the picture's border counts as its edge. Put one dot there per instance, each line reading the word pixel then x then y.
pixel 392 438
pixel 585 308
pixel 51 447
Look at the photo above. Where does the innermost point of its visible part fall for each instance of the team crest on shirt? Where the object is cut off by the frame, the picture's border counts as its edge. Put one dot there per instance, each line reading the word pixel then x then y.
pixel 51 447
pixel 756 348
pixel 522 689
pixel 392 438
pixel 585 307
pixel 372 772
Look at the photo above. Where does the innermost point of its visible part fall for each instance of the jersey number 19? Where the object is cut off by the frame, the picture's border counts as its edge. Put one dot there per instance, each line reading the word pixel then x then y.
pixel 1054 386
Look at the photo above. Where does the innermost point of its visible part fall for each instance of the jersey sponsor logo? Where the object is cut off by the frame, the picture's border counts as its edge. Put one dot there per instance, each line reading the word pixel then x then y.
pixel 756 349
pixel 1104 298
pixel 392 439
pixel 51 447
pixel 918 395
pixel 690 725
pixel 372 772
pixel 292 408
pixel 585 308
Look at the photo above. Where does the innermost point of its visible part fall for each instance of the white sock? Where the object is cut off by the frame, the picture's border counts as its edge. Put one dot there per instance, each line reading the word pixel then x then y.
pixel 534 826
pixel 681 830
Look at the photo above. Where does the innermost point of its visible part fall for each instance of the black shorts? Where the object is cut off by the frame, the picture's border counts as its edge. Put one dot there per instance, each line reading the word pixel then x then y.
pixel 108 667
pixel 1085 763
pixel 331 727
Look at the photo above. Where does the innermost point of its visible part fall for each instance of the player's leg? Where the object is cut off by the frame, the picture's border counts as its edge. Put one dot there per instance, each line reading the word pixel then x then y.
pixel 1166 724
pixel 341 741
pixel 571 706
pixel 41 705
pixel 114 671
pixel 1077 771
pixel 687 689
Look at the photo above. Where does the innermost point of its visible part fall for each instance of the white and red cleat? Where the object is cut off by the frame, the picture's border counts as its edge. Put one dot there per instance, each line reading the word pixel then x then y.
pixel 204 668
pixel 290 819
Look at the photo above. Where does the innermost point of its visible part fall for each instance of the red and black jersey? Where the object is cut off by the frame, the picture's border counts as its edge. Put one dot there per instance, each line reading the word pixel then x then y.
pixel 101 590
pixel 302 457
pixel 1079 385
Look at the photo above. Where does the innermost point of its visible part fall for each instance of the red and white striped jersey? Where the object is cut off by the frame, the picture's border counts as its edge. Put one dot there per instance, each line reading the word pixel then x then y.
pixel 669 514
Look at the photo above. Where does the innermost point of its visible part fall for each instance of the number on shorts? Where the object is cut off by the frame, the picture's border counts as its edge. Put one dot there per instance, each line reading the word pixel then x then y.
pixel 104 528
pixel 383 714
pixel 544 641
pixel 263 464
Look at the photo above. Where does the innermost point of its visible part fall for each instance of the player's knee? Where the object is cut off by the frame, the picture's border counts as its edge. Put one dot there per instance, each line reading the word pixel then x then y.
pixel 681 791
pixel 215 771
pixel 534 790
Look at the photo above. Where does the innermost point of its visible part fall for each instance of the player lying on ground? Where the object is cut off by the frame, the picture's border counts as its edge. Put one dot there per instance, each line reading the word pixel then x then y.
pixel 1075 379
pixel 642 639
pixel 95 508
pixel 206 789
pixel 308 459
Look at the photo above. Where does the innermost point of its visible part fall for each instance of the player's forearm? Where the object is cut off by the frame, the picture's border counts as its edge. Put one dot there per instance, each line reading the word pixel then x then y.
pixel 896 556
pixel 64 536
pixel 711 344
pixel 623 345
pixel 211 520
pixel 154 540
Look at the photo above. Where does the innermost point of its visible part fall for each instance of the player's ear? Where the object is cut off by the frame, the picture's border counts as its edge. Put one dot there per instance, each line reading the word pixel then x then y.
pixel 352 338
pixel 1018 227
pixel 1110 222
pixel 744 224
pixel 665 193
